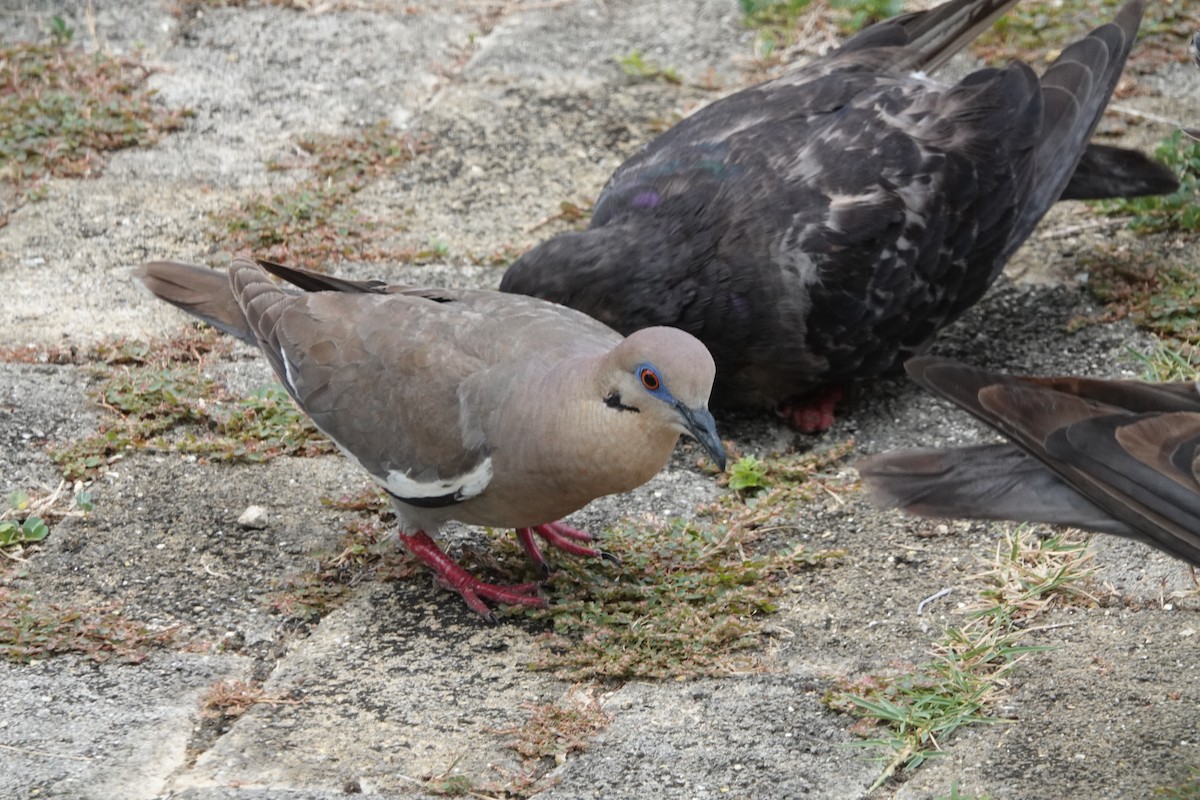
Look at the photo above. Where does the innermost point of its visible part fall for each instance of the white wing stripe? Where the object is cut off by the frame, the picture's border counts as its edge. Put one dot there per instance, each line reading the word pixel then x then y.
pixel 464 486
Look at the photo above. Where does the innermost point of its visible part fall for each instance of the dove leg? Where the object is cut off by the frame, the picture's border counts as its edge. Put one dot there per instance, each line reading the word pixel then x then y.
pixel 452 576
pixel 562 529
pixel 812 414
pixel 560 537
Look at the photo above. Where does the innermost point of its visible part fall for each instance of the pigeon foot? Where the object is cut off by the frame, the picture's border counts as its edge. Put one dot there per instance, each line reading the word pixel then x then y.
pixel 812 414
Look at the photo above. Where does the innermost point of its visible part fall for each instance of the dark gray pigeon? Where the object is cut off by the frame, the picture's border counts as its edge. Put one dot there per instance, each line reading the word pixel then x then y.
pixel 1114 456
pixel 822 227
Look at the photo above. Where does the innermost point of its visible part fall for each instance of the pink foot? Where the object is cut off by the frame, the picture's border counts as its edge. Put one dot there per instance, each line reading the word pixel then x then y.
pixel 560 537
pixel 812 414
pixel 451 576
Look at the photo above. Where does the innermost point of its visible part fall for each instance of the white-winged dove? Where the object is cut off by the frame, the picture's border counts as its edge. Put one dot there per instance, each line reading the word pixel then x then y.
pixel 1114 456
pixel 822 227
pixel 467 405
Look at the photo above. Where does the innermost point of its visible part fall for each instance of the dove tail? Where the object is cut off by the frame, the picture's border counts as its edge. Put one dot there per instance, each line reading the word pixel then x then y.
pixel 204 293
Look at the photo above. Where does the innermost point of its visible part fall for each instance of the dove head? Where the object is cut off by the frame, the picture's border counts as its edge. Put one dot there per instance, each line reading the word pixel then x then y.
pixel 667 375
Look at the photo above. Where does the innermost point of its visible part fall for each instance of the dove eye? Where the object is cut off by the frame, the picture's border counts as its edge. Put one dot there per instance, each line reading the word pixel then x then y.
pixel 650 379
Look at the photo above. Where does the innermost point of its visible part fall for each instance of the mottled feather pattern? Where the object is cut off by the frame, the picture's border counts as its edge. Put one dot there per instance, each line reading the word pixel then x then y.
pixel 822 227
pixel 1119 457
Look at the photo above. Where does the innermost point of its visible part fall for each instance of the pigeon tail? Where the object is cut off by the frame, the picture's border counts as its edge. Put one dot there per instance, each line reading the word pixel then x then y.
pixel 206 294
pixel 1075 89
pixel 938 33
pixel 319 282
pixel 1106 172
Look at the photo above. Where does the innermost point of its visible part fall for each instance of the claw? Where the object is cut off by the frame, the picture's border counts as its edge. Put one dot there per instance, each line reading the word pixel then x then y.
pixel 530 546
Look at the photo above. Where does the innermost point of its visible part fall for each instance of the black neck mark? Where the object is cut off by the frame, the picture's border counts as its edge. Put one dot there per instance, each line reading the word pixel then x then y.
pixel 614 401
pixel 441 501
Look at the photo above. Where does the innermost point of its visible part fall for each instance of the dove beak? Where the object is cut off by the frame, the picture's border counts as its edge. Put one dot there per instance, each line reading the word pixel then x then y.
pixel 702 427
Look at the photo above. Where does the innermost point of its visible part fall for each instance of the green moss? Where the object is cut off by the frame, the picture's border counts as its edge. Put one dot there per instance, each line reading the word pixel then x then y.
pixel 317 221
pixel 1179 211
pixel 689 597
pixel 62 109
pixel 30 630
pixel 159 397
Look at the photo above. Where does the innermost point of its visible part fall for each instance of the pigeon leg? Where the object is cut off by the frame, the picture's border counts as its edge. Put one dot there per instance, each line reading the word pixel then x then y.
pixel 560 537
pixel 449 574
pixel 812 414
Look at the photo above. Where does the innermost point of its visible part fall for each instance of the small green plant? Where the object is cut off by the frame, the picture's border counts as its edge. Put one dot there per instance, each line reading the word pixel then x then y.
pixel 1028 575
pixel 748 475
pixel 759 13
pixel 955 794
pixel 556 730
pixel 1167 363
pixel 60 32
pixel 919 710
pixel 27 519
pixel 777 21
pixel 774 19
pixel 635 66
pixel 1179 211
pixel 686 600
pixel 451 786
pixel 261 426
pixel 1026 30
pixel 857 14
pixel 31 530
pixel 1187 789
pixel 776 16
pixel 160 398
pixel 551 734
pixel 1162 297
pixel 280 225
pixel 228 700
pixel 575 214
pixel 148 403
pixel 502 256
